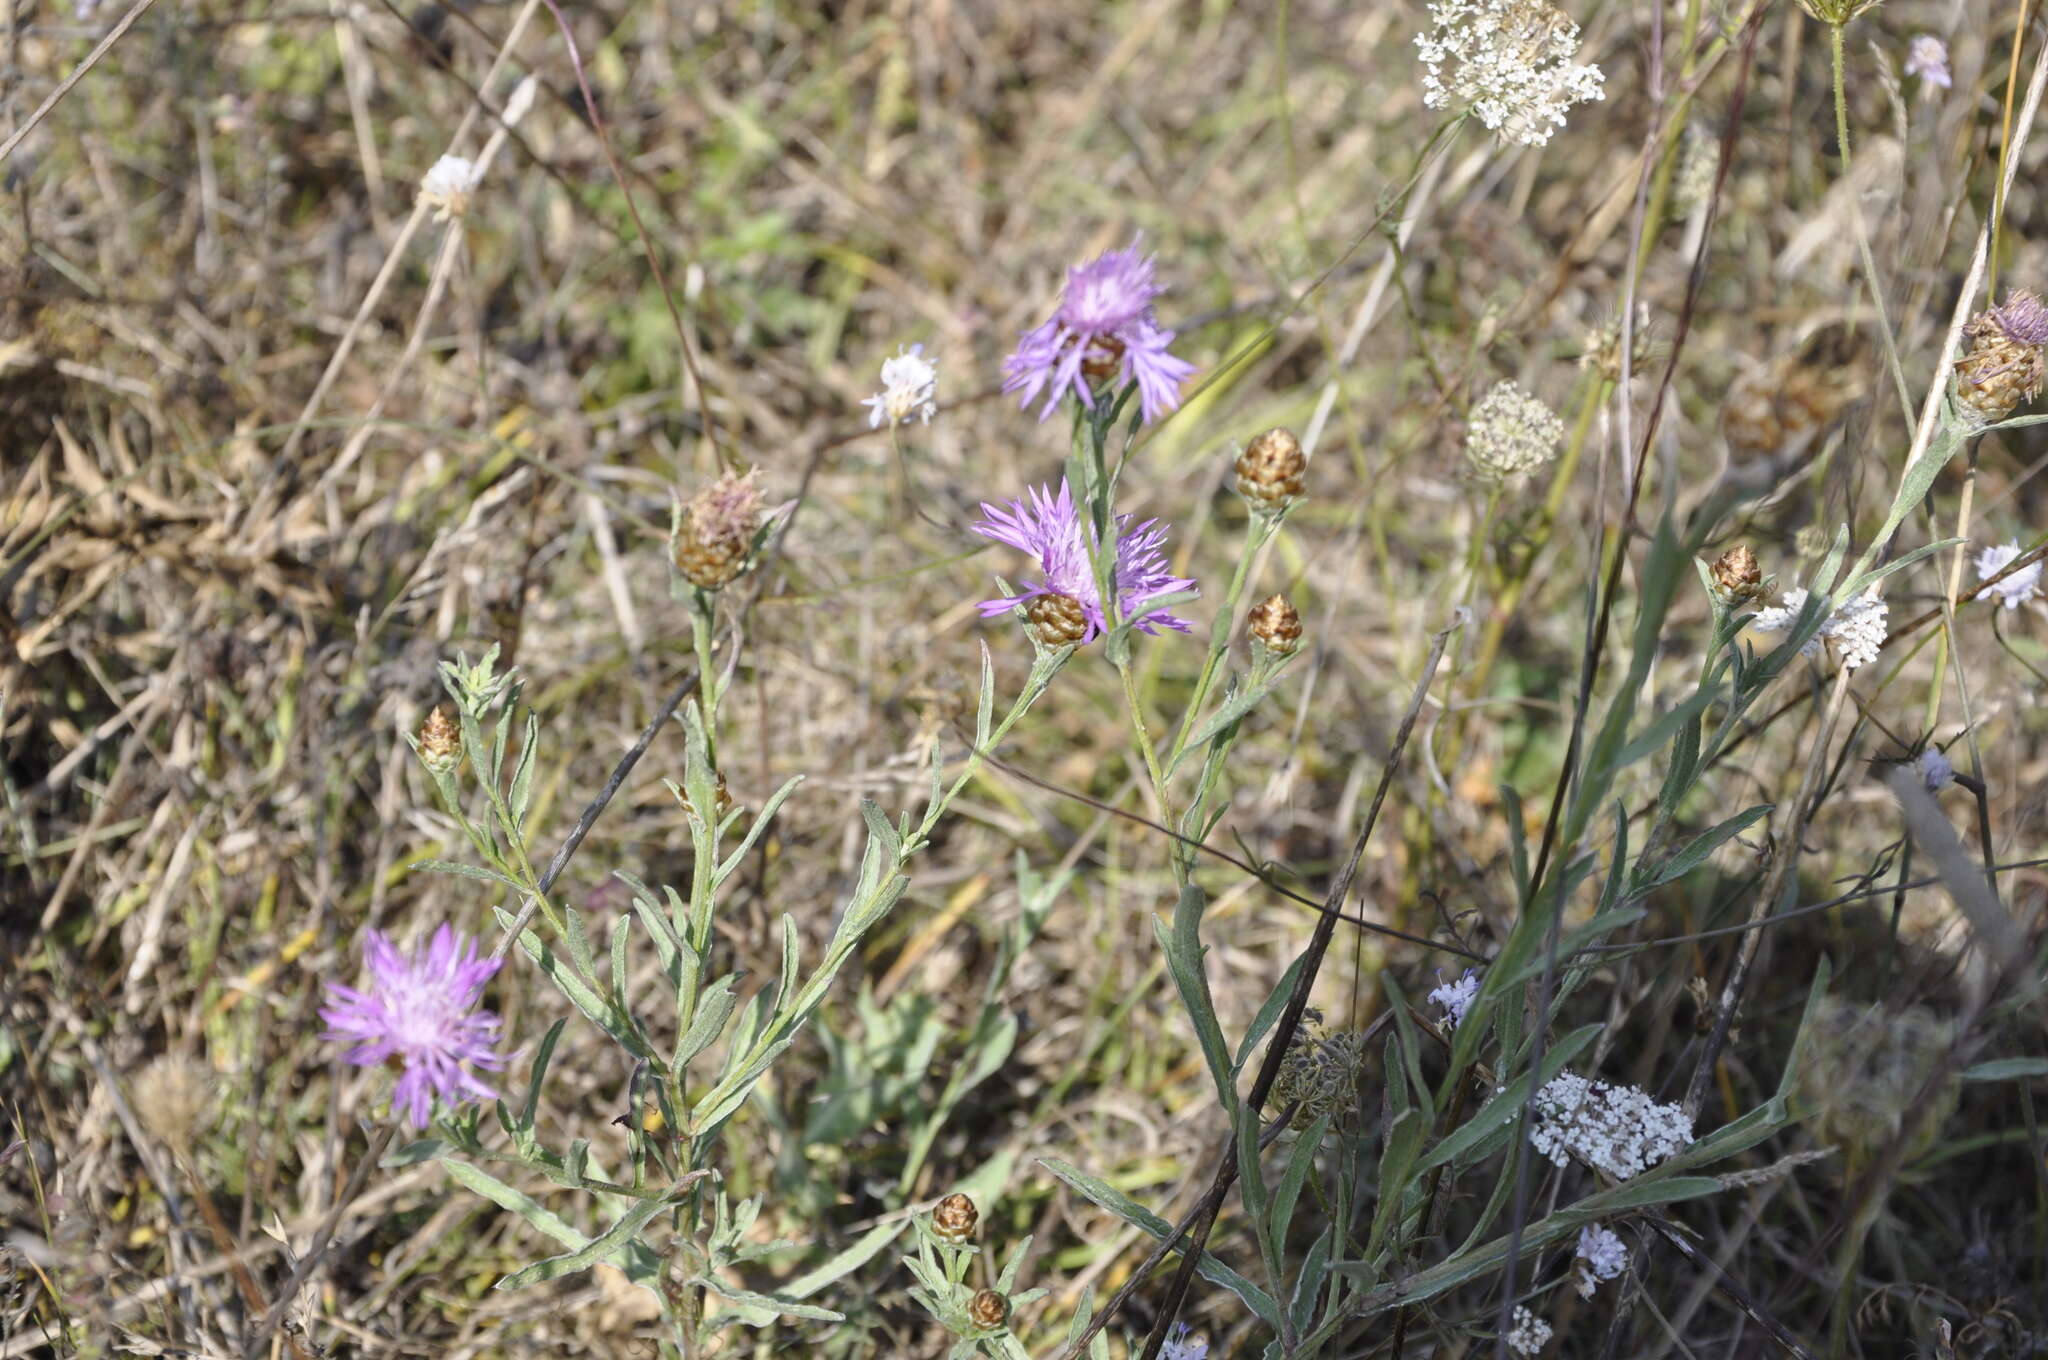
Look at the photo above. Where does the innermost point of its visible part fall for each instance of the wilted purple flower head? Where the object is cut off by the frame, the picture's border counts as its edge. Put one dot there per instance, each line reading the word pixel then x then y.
pixel 1104 326
pixel 420 1011
pixel 1047 527
pixel 2023 317
pixel 1927 58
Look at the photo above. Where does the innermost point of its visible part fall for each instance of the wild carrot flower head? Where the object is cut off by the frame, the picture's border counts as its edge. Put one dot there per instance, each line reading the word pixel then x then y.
pixel 909 382
pixel 2016 589
pixel 1857 627
pixel 1509 61
pixel 1047 527
pixel 1104 327
pixel 420 1010
pixel 1618 1129
pixel 1530 1333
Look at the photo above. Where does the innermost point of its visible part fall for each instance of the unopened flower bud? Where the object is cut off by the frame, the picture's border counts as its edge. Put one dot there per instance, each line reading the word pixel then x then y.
pixel 988 1309
pixel 953 1219
pixel 440 742
pixel 1276 623
pixel 1056 620
pixel 1737 577
pixel 1269 471
pixel 715 532
pixel 2003 364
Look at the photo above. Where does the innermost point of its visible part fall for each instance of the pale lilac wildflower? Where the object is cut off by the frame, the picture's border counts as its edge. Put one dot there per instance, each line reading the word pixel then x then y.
pixel 1456 998
pixel 1937 771
pixel 1927 58
pixel 1180 1346
pixel 909 382
pixel 421 1011
pixel 1047 528
pixel 447 185
pixel 1104 324
pixel 2016 589
pixel 1601 1256
pixel 1616 1129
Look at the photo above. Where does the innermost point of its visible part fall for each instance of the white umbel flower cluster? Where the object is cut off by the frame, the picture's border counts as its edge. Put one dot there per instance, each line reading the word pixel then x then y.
pixel 1530 1333
pixel 1510 434
pixel 446 187
pixel 1857 627
pixel 2016 589
pixel 1616 1129
pixel 1601 1257
pixel 909 383
pixel 1508 61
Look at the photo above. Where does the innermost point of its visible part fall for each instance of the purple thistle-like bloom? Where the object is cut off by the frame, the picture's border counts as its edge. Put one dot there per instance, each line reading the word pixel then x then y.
pixel 1104 324
pixel 1047 527
pixel 421 1011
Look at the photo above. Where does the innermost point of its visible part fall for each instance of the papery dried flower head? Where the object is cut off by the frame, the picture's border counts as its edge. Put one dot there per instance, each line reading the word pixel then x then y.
pixel 1601 1256
pixel 2015 589
pixel 1509 62
pixel 953 1219
pixel 1270 470
pixel 419 1012
pixel 2003 363
pixel 1509 434
pixel 1055 620
pixel 1927 58
pixel 1778 409
pixel 447 185
pixel 1737 578
pixel 1529 1333
pixel 1276 623
pixel 440 741
pixel 1868 1074
pixel 1620 1130
pixel 988 1309
pixel 1104 330
pixel 1456 998
pixel 715 532
pixel 1319 1074
pixel 909 384
pixel 173 1097
pixel 1047 527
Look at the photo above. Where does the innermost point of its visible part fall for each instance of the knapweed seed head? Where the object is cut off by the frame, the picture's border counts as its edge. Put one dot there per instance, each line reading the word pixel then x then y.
pixel 2002 363
pixel 1927 58
pixel 1456 998
pixel 1509 434
pixel 1737 578
pixel 988 1309
pixel 1529 1334
pixel 419 1011
pixel 2016 589
pixel 1276 623
pixel 714 534
pixel 1601 1256
pixel 440 742
pixel 1104 330
pixel 1509 62
pixel 173 1097
pixel 447 185
pixel 1056 621
pixel 1270 470
pixel 1620 1130
pixel 1046 526
pixel 953 1219
pixel 909 384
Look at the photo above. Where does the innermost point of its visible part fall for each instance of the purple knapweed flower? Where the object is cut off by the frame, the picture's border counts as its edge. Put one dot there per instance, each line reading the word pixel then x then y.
pixel 421 1011
pixel 1047 527
pixel 1104 325
pixel 1927 58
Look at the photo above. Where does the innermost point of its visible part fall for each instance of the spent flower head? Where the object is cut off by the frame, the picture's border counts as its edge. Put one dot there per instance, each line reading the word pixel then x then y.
pixel 1601 1256
pixel 419 1011
pixel 909 384
pixel 1508 61
pixel 1510 433
pixel 714 531
pixel 447 185
pixel 1104 328
pixel 1620 1130
pixel 1927 58
pixel 2016 589
pixel 2003 364
pixel 1047 527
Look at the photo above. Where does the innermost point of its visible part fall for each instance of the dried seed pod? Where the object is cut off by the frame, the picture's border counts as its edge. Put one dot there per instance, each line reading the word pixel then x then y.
pixel 715 532
pixel 440 741
pixel 1737 577
pixel 953 1219
pixel 1270 470
pixel 1057 620
pixel 1275 622
pixel 988 1309
pixel 2003 365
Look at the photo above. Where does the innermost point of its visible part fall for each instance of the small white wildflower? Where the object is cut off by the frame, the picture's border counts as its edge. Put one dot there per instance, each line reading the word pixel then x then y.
pixel 1857 627
pixel 1937 771
pixel 1617 1129
pixel 2016 589
pixel 1601 1257
pixel 1456 998
pixel 1510 433
pixel 1179 1346
pixel 1778 617
pixel 1530 1334
pixel 1510 62
pixel 1927 58
pixel 447 186
pixel 909 382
